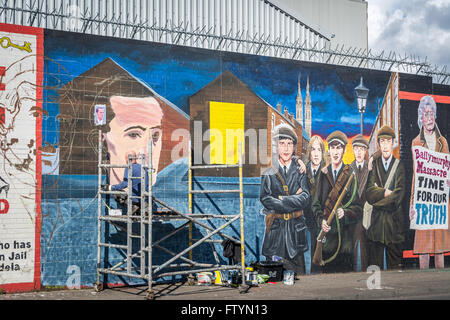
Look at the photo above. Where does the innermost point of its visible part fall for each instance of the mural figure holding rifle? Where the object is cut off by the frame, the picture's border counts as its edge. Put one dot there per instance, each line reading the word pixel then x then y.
pixel 337 209
pixel 284 195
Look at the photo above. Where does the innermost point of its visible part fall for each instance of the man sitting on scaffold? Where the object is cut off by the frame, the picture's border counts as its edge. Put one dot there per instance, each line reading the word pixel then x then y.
pixel 136 182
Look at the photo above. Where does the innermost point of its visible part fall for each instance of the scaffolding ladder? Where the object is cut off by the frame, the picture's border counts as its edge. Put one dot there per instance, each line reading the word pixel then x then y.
pixel 131 269
pixel 145 269
pixel 240 215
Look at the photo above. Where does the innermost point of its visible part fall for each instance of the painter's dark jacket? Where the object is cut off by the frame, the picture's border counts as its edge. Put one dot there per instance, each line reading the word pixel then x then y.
pixel 386 223
pixel 285 238
pixel 135 182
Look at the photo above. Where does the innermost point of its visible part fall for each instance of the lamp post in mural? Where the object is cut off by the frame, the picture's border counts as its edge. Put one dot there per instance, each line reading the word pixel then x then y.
pixel 361 96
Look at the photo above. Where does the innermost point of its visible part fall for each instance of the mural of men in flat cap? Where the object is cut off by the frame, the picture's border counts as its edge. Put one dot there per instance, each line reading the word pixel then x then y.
pixel 284 195
pixel 361 168
pixel 428 242
pixel 338 247
pixel 385 192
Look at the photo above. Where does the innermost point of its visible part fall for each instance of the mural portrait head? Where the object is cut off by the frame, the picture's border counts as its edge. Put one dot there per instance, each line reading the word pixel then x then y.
pixel 385 138
pixel 99 116
pixel 360 146
pixel 315 152
pixel 136 123
pixel 286 140
pixel 132 117
pixel 337 142
pixel 426 117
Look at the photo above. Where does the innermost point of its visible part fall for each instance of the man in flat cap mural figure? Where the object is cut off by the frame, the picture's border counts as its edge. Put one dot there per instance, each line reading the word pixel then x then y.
pixel 284 195
pixel 385 192
pixel 361 168
pixel 339 243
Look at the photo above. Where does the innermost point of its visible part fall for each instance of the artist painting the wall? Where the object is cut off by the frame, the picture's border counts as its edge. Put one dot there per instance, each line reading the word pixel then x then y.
pixel 428 242
pixel 284 195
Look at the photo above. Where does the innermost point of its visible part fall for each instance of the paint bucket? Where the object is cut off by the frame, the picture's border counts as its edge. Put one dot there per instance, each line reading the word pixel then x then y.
pixel 273 269
pixel 251 278
pixel 288 277
pixel 236 278
pixel 204 278
pixel 219 278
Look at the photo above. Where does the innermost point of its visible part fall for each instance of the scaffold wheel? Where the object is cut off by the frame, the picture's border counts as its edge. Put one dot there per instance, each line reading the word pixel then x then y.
pixel 243 288
pixel 98 287
pixel 191 280
pixel 150 295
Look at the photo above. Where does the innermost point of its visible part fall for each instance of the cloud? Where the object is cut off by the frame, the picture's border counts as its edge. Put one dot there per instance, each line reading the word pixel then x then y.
pixel 419 28
pixel 351 119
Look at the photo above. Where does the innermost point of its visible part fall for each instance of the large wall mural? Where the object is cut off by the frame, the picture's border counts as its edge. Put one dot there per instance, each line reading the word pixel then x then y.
pixel 297 123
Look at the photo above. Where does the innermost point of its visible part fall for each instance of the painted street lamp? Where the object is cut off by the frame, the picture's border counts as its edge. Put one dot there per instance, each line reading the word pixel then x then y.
pixel 361 96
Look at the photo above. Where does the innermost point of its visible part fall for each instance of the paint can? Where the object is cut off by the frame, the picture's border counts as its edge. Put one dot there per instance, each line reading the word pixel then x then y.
pixel 288 277
pixel 219 278
pixel 273 269
pixel 236 278
pixel 262 278
pixel 251 278
pixel 204 278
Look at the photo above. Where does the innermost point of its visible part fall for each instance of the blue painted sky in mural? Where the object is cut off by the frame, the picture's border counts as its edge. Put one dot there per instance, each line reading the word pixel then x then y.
pixel 178 72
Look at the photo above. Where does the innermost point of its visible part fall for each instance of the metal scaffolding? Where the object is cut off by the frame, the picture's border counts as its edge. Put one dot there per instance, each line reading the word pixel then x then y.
pixel 146 216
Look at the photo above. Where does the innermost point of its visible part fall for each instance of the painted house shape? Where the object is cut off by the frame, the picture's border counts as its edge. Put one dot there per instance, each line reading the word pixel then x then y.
pixel 79 137
pixel 228 102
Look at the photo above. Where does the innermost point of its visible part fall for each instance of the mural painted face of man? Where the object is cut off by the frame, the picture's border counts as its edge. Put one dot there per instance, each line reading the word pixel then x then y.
pixel 137 121
pixel 386 147
pixel 336 153
pixel 360 153
pixel 428 120
pixel 285 150
pixel 316 153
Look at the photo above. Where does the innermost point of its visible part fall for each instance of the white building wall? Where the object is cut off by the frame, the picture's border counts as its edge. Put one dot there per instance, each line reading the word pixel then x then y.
pixel 228 20
pixel 345 19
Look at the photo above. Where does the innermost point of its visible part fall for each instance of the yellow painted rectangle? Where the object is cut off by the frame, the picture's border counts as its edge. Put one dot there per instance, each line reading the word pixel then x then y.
pixel 226 131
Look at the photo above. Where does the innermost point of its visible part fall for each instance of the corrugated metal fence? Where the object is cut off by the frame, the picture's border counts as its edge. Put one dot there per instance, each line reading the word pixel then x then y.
pixel 232 25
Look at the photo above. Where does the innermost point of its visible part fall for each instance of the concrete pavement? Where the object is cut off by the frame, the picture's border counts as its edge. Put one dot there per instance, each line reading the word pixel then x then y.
pixel 391 285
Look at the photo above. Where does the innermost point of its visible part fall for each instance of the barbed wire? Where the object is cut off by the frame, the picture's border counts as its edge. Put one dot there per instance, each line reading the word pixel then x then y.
pixel 182 33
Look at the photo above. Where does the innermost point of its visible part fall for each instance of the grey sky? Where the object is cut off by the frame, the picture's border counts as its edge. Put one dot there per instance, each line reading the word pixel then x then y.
pixel 416 27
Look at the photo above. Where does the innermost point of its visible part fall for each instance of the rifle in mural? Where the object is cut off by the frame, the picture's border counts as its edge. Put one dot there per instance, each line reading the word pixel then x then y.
pixel 317 258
